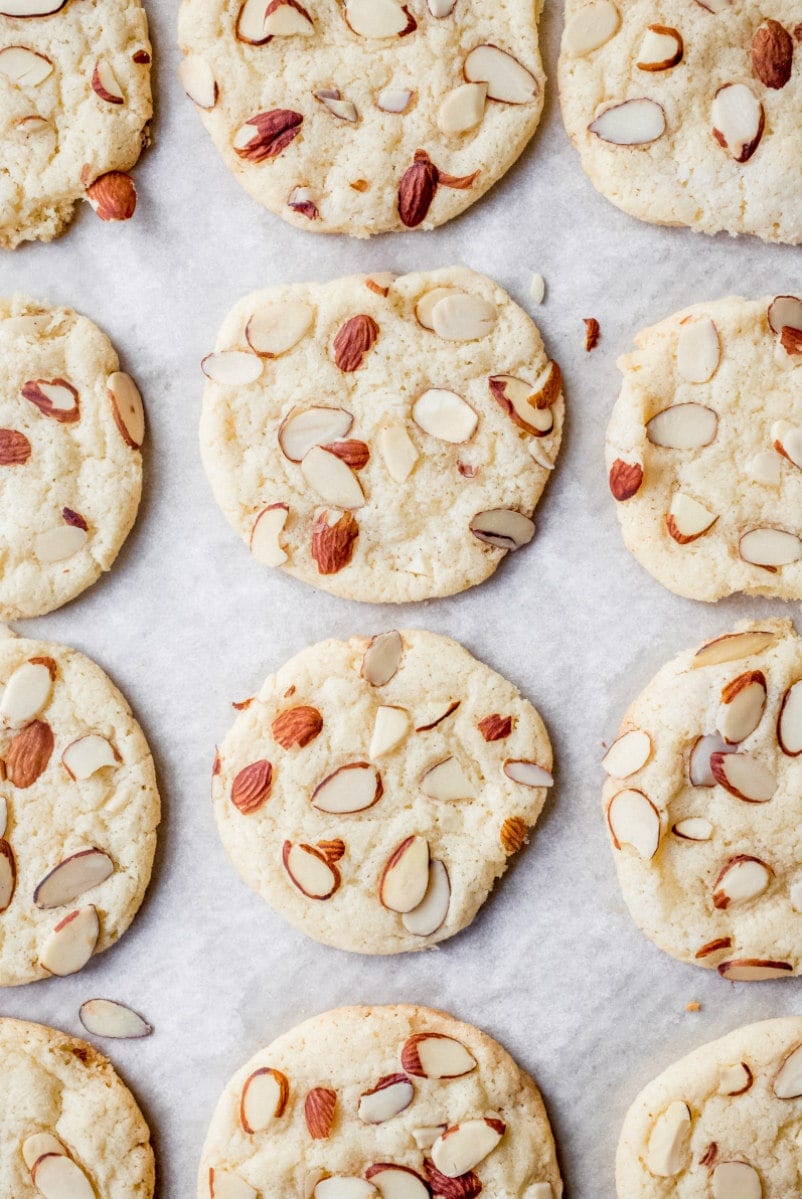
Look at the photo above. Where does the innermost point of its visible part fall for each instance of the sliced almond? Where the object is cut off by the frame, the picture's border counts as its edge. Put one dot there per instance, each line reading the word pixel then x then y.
pixel 695 828
pixel 3 815
pixel 377 18
pixel 405 876
pixel 30 8
pixel 113 196
pixel 441 8
pixel 506 79
pixel 426 304
pixel 518 399
pixel 343 1186
pixel 8 875
pixel 743 776
pixel 72 877
pixel 390 728
pixel 529 774
pixel 332 479
pixel 748 970
pixel 591 27
pixel 789 722
pixel 397 1182
pixel 105 84
pixel 274 329
pixel 223 1184
pixel 787 440
pixel 37 1145
pixel 394 99
pixel 788 1081
pixel 26 692
pixel 628 754
pixel 353 788
pixel 462 109
pixel 445 415
pixel 687 518
pixel 735 1079
pixel 310 871
pixel 286 18
pixel 698 350
pixel 72 942
pixel 198 81
pixel 252 786
pixel 736 1180
pixel 263 1099
pixel 382 658
pixel 461 316
pixel 60 543
pixel 626 479
pixel 447 781
pixel 303 429
pixel 465 1145
pixel 661 48
pixel 85 756
pixel 785 312
pixel 503 528
pixel 435 1055
pixel 683 427
pixel 668 1145
pixel 434 714
pixel 632 123
pixel 733 646
pixel 297 727
pixel 344 110
pixel 634 821
pixel 699 771
pixel 431 912
pixel 743 702
pixel 738 120
pixel 55 398
pixel 232 368
pixel 764 467
pixel 107 1018
pixel 24 67
pixel 266 535
pixel 391 1096
pixel 770 548
pixel 57 1176
pixel 380 282
pixel 398 451
pixel 741 879
pixel 426 1136
pixel 127 408
pixel 29 753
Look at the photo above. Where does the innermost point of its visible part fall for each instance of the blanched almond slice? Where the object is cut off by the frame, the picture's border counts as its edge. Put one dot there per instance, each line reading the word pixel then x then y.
pixel 770 548
pixel 785 312
pixel 57 1176
pixel 232 368
pixel 394 99
pixel 376 18
pixel 628 754
pixel 266 535
pixel 431 912
pixel 529 774
pixel 382 658
pixel 397 1182
pixel 107 1018
pixel 82 758
pixel 743 776
pixel 687 519
pixel 398 451
pixel 286 18
pixel 251 22
pixel 789 723
pixel 518 399
pixel 331 479
pixel 463 108
pixel 732 646
pixel 787 440
pixel 447 781
pixel 72 877
pixel 72 942
pixel 667 1150
pixel 426 304
pixel 405 876
pixel 738 120
pixel 699 771
pixel 695 828
pixel 127 408
pixel 388 1098
pixel 788 1083
pixel 225 1185
pixel 749 970
pixel 764 468
pixel 795 895
pixel 3 815
pixel 37 1145
pixel 735 1079
pixel 445 415
pixel 344 110
pixel 198 81
pixel 275 329
pixel 435 713
pixel 8 875
pixel 426 1136
pixel 632 123
pixel 465 1145
pixel 741 879
pixel 507 80
pixel 24 67
pixel 441 8
pixel 434 1055
pixel 743 702
pixel 352 788
pixel 26 693
pixel 660 49
pixel 380 282
pixel 463 317
pixel 309 870
pixel 56 545
pixel 736 1180
pixel 591 27
pixel 30 8
pixel 634 821
pixel 263 1099
pixel 698 350
pixel 105 84
pixel 305 428
pixel 342 1186
pixel 33 124
pixel 503 528
pixel 389 730
pixel 683 427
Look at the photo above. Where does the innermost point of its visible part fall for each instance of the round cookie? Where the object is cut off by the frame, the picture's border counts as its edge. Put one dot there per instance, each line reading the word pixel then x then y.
pixel 373 790
pixel 71 424
pixel 363 116
pixel 702 804
pixel 378 457
pixel 723 1122
pixel 75 103
pixel 380 1102
pixel 68 1124
pixel 79 810
pixel 704 449
pixel 686 114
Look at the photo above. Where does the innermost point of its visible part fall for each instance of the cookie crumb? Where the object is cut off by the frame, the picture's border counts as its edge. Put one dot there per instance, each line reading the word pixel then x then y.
pixel 537 289
pixel 592 333
pixel 693 1006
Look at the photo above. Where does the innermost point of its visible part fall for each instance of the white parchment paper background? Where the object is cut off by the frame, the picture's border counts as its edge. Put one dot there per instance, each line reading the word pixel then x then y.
pixel 187 622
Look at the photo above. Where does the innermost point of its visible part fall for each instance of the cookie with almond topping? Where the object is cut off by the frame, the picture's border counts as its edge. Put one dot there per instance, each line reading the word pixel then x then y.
pixel 75 103
pixel 79 808
pixel 397 1102
pixel 386 439
pixel 704 449
pixel 701 804
pixel 374 789
pixel 683 114
pixel 71 427
pixel 364 116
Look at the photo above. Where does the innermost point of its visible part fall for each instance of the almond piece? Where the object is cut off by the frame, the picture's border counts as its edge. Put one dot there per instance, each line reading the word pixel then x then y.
pixel 740 879
pixel 743 702
pixel 468 1186
pixel 465 1145
pixel 764 468
pixel 333 543
pixel 380 282
pixel 352 788
pixel 198 81
pixel 695 828
pixel 738 120
pixel 344 1186
pixel 785 312
pixel 516 398
pixel 274 329
pixel 772 54
pixel 266 535
pixel 113 196
pixel 713 947
pixel 72 942
pixel 382 658
pixel 29 754
pixel 506 79
pixel 232 368
pixel 8 875
pixel 332 100
pixel 787 440
pixel 310 871
pixel 435 1055
pixel 378 18
pixel 267 134
pixel 668 1145
pixel 330 478
pixel 687 519
pixel 37 1145
pixel 788 1081
pixel 319 1108
pixel 225 1185
pixel 405 876
pixel 35 124
pixel 107 1018
pixel 631 123
pixel 392 1095
pixel 425 305
pixel 296 727
pixel 513 834
pixel 753 969
pixel 127 409
pixel 30 8
pixel 252 786
pixel 72 877
pixel 15 449
pixel 495 727
pixel 426 1136
pixel 528 774
pixel 699 772
pixel 104 83
pixel 60 543
pixel 397 1182
pixel 735 1079
pixel 305 428
pixel 436 713
pixel 398 451
pixel 634 821
pixel 625 479
pixel 698 350
pixel 353 341
pixel 441 8
pixel 736 1180
pixel 743 776
pixel 732 646
pixel 263 1099
pixel 770 548
pixel 463 317
pixel 55 398
pixel 688 426
pixel 661 48
pixel 286 18
pixel 445 415
pixel 394 99
pixel 354 453
pixel 462 109
pixel 417 190
pixel 628 754
pixel 503 528
pixel 26 692
pixel 390 728
pixel 24 67
pixel 447 781
pixel 591 27
pixel 789 722
pixel 432 911
pixel 85 756
pixel 56 1176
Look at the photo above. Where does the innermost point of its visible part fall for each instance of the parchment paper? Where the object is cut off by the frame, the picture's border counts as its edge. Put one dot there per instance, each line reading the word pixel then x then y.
pixel 187 622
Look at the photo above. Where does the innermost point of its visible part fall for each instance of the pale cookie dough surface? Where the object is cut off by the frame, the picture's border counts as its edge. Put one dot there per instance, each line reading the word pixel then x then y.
pixel 725 890
pixel 734 394
pixel 343 173
pixel 47 815
pixel 67 469
pixel 734 1107
pixel 346 1052
pixel 57 1085
pixel 682 175
pixel 59 133
pixel 471 831
pixel 411 532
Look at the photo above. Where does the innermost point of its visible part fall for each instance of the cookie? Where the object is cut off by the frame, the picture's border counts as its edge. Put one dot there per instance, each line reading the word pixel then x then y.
pixel 68 1124
pixel 397 1102
pixel 722 1122
pixel 74 109
pixel 704 449
pixel 78 811
pixel 374 789
pixel 384 438
pixel 686 113
pixel 702 804
pixel 363 116
pixel 70 465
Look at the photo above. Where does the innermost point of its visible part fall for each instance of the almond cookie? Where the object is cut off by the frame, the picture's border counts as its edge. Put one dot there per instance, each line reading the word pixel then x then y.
pixel 363 116
pixel 683 114
pixel 722 1123
pixel 397 1102
pixel 74 109
pixel 702 804
pixel 78 811
pixel 69 1126
pixel 704 449
pixel 384 438
pixel 373 790
pixel 70 465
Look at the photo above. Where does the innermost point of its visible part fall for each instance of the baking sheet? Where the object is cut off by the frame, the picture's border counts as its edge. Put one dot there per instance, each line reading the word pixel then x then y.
pixel 187 622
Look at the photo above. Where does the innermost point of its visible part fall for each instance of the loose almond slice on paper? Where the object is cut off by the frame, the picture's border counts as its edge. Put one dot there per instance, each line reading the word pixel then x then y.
pixel 743 776
pixel 431 912
pixel 529 774
pixel 789 722
pixel 223 1184
pixel 506 79
pixel 591 27
pixel 736 1180
pixel 743 702
pixel 198 81
pixel 770 548
pixel 742 878
pixel 687 519
pixel 503 528
pixel 382 658
pixel 72 942
pixel 634 821
pixel 683 427
pixel 699 772
pixel 435 1055
pixel 378 18
pixel 74 875
pixel 107 1018
pixel 695 828
pixel 445 415
pixel 447 781
pixel 465 1145
pixel 698 350
pixel 26 692
pixel 754 969
pixel 232 368
pixel 398 451
pixel 738 120
pixel 263 1099
pixel 85 756
pixel 57 1176
pixel 24 67
pixel 667 1150
pixel 310 871
pixel 390 728
pixel 632 123
pixel 461 316
pixel 352 788
pixel 397 1182
pixel 628 754
pixel 661 48
pixel 788 1081
pixel 391 1096
pixel 266 535
pixel 732 646
pixel 405 876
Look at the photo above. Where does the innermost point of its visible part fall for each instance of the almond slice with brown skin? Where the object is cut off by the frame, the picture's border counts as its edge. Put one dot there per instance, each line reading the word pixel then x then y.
pixel 661 48
pixel 37 1145
pixel 8 875
pixel 24 67
pixel 736 1180
pixel 405 876
pixel 683 427
pixel 735 1079
pixel 695 828
pixel 506 79
pixel 107 1018
pixel 399 452
pixel 447 781
pixel 435 713
pixel 516 398
pixel 72 877
pixel 267 134
pixel 113 196
pixel 466 1187
pixel 772 54
pixel 127 408
pixel 27 691
pixel 57 1176
pixel 232 368
pixel 310 870
pixel 687 519
pixel 527 773
pixel 432 911
pixel 465 1145
pixel 632 123
pixel 788 1080
pixel 105 84
pixel 747 970
pixel 495 727
pixel 252 786
pixel 628 754
pixel 295 728
pixel 223 1184
pixel 787 439
pixel 634 821
pixel 770 548
pixel 732 646
pixel 287 18
pixel 743 776
pixel 390 728
pixel 382 658
pixel 392 1095
pixel 319 1108
pixel 463 317
pixel 334 536
pixel 503 528
pixel 305 428
pixel 668 1146
pixel 378 18
pixel 626 479
pixel 397 1182
pixel 435 1055
pixel 591 27
pixel 740 879
pixel 263 1099
pixel 785 312
pixel 331 99
pixel 331 479
pixel 789 721
pixel 445 415
pixel 85 756
pixel 53 397
pixel 29 754
pixel 266 535
pixel 72 942
pixel 353 341
pixel 15 449
pixel 738 120
pixel 198 81
pixel 353 788
pixel 743 702
pixel 698 350
pixel 699 772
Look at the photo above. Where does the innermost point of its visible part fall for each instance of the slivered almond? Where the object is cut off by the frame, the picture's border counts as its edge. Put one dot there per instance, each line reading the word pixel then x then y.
pixel 310 870
pixel 72 877
pixel 266 533
pixel 59 543
pixel 305 428
pixel 107 1018
pixel 698 350
pixel 445 415
pixel 331 99
pixel 738 120
pixel 695 828
pixel 37 1145
pixel 352 788
pixel 740 879
pixel 405 876
pixel 53 397
pixel 319 1108
pixel 516 398
pixel 447 781
pixel 432 911
pixel 382 658
pixel 634 821
pixel 506 78
pixel 29 753
pixel 628 754
pixel 232 368
pixel 503 528
pixel 263 1099
pixel 57 1176
pixel 85 756
pixel 683 427
pixel 72 942
pixel 789 721
pixel 634 122
pixel 743 776
pixel 788 1080
pixel 743 702
pixel 394 99
pixel 732 646
pixel 252 786
pixel 754 969
pixel 391 1095
pixel 435 1055
pixel 770 548
pixel 105 84
pixel 735 1079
